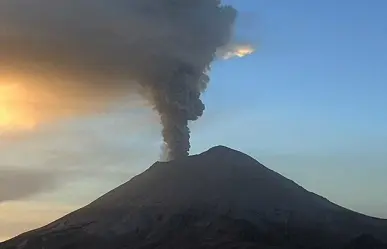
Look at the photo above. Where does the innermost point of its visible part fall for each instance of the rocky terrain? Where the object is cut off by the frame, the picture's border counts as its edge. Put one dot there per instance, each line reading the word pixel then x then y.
pixel 221 198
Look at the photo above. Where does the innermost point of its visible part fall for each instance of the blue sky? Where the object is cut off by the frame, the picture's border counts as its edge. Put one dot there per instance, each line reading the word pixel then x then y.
pixel 310 103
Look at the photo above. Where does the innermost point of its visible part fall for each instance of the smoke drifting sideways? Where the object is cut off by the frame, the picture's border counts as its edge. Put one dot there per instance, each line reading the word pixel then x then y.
pixel 101 49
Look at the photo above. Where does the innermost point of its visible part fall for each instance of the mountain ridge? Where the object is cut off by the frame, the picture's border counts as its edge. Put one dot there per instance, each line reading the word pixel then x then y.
pixel 220 189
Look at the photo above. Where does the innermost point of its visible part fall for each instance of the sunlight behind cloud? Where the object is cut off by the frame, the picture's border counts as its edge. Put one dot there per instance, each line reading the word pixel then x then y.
pixel 24 106
pixel 28 101
pixel 15 113
pixel 94 154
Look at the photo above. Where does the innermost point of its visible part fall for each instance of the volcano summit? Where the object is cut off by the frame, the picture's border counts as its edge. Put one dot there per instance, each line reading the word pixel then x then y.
pixel 221 198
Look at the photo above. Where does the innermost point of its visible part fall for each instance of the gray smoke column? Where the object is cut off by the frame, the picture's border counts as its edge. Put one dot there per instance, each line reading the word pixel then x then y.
pixel 101 49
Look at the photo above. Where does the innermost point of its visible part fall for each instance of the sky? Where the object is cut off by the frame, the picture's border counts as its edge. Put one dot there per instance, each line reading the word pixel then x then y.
pixel 309 104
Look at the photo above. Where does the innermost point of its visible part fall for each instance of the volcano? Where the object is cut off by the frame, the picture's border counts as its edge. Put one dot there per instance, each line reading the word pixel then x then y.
pixel 221 198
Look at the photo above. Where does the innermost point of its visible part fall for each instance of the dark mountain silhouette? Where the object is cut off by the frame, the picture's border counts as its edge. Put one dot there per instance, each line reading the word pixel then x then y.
pixel 221 198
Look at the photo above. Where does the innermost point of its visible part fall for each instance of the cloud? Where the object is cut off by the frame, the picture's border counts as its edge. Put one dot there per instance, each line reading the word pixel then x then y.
pixel 18 184
pixel 111 148
pixel 86 43
pixel 88 54
pixel 94 154
pixel 233 50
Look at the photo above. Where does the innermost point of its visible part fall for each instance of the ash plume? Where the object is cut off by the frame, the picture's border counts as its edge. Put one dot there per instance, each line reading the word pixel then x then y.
pixel 102 49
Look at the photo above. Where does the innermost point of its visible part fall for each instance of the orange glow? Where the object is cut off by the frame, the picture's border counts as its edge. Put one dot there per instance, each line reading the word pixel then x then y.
pixel 27 101
pixel 14 110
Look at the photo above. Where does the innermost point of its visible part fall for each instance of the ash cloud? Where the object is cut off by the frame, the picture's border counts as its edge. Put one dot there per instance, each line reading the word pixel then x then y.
pixel 102 49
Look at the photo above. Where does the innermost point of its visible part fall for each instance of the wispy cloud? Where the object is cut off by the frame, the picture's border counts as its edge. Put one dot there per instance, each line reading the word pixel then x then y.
pixel 235 50
pixel 94 154
pixel 21 183
pixel 102 146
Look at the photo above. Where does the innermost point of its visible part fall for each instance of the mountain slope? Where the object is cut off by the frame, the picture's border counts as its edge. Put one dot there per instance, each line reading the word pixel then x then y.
pixel 218 199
